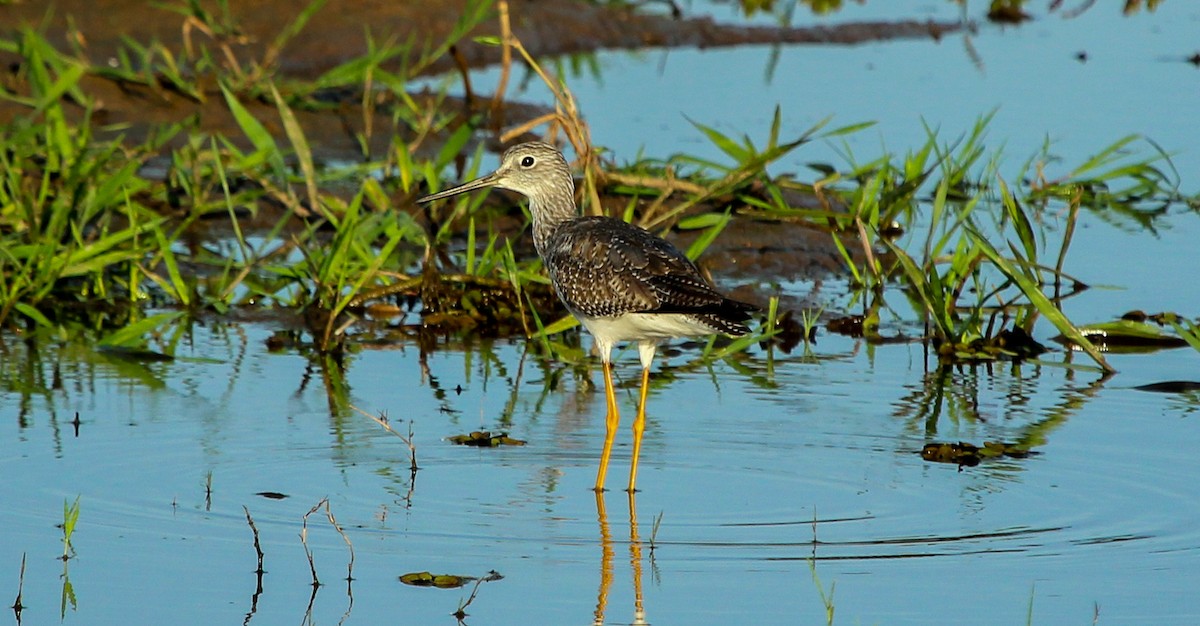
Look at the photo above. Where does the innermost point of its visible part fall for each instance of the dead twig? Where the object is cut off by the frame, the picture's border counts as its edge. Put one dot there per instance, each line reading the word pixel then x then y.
pixel 257 545
pixel 505 67
pixel 566 115
pixel 669 184
pixel 382 420
pixel 333 522
pixel 316 582
pixel 461 612
pixel 17 606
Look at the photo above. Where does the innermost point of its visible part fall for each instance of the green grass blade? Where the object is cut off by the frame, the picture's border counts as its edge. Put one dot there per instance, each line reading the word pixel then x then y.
pixel 132 336
pixel 713 224
pixel 300 147
pixel 178 284
pixel 264 144
pixel 1039 300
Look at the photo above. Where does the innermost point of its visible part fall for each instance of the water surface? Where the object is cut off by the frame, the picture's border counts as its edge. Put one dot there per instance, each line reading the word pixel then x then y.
pixel 740 457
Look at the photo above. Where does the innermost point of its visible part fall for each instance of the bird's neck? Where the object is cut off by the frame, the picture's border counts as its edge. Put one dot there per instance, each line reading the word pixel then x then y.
pixel 548 217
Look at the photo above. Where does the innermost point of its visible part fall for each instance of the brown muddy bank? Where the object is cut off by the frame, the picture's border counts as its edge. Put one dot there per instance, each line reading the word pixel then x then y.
pixel 337 33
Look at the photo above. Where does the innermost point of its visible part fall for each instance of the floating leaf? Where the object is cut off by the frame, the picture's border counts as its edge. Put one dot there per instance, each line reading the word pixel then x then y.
pixel 441 581
pixel 850 325
pixel 959 453
pixel 485 439
pixel 970 455
pixel 1126 335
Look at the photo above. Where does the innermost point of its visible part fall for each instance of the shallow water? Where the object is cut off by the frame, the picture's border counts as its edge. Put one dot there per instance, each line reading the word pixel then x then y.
pixel 738 462
pixel 1030 75
pixel 739 458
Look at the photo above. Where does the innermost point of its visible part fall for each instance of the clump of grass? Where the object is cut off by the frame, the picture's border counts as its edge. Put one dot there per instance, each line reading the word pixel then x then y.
pixel 978 262
pixel 808 324
pixel 83 232
pixel 69 239
pixel 73 225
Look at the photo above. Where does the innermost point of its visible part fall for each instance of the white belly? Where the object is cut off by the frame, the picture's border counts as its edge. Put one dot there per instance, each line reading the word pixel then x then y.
pixel 642 326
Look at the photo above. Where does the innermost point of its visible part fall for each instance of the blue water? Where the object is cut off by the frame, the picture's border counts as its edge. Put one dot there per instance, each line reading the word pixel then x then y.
pixel 737 468
pixel 1029 75
pixel 739 458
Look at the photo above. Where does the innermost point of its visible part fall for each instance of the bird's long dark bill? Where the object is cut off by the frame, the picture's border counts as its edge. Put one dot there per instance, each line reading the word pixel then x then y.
pixel 478 183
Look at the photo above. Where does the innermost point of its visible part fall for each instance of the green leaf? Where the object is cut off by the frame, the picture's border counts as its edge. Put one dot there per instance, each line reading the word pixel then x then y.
pixel 33 314
pixel 264 144
pixel 132 336
pixel 178 285
pixel 1128 331
pixel 564 323
pixel 1039 300
pixel 704 220
pixel 295 135
pixel 708 236
pixel 723 142
pixel 1190 333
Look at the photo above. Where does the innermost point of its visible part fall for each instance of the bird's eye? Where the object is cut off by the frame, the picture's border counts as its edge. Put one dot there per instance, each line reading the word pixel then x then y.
pixel 527 162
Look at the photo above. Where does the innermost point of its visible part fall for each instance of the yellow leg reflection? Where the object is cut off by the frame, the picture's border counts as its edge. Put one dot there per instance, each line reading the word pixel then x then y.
pixel 611 420
pixel 606 561
pixel 639 427
pixel 635 559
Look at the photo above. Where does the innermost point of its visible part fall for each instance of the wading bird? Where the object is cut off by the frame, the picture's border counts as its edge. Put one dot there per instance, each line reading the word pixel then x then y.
pixel 622 282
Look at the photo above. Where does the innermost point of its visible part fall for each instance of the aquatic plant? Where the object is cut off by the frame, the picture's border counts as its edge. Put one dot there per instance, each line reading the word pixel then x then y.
pixel 70 520
pixel 89 236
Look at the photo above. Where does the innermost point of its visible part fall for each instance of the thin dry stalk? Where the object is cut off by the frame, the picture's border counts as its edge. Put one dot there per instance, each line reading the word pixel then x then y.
pixel 464 71
pixel 257 544
pixel 654 531
pixel 566 116
pixel 338 528
pixel 867 252
pixel 382 420
pixel 1068 234
pixel 405 285
pixel 669 185
pixel 304 542
pixel 17 606
pixel 231 61
pixel 505 66
pixel 461 613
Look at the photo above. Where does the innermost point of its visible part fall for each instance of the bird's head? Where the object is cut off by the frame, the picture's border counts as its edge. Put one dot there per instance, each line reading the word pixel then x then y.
pixel 535 170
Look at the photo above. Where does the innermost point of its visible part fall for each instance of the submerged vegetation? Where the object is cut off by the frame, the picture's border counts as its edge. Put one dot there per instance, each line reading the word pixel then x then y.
pixel 108 232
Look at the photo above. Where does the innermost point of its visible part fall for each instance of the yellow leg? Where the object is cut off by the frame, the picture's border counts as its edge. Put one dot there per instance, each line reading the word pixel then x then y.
pixel 611 420
pixel 639 427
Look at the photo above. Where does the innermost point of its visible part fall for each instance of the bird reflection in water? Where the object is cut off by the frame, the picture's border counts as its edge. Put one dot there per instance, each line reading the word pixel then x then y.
pixel 608 554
